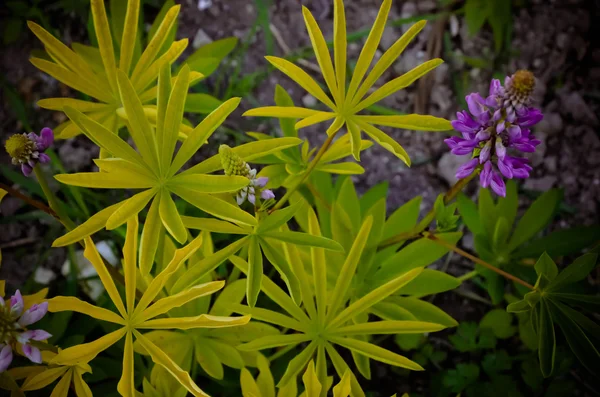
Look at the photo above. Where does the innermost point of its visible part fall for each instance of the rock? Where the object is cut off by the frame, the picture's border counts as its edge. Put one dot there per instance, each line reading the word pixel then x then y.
pixel 388 38
pixel 575 105
pixel 542 184
pixel 441 96
pixel 550 162
pixel 454 25
pixel 537 157
pixel 309 101
pixel 43 276
pixel 561 40
pixel 201 39
pixel 551 124
pixel 448 165
pixel 204 4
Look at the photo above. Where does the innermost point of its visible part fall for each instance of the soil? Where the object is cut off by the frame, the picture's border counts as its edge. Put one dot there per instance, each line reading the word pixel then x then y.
pixel 552 38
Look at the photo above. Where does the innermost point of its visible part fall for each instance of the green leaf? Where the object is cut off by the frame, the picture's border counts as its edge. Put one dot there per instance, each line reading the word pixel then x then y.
pixel 590 302
pixel 496 362
pixel 575 272
pixel 206 59
pixel 547 340
pixel 501 233
pixel 297 364
pixel 470 215
pixel 530 371
pixel 420 253
pixel 518 307
pixel 546 266
pixel 255 271
pixel 579 343
pixel 403 219
pixel 561 242
pixel 535 218
pixel 487 212
pixel 278 218
pixel 429 282
pixel 456 380
pixel 421 310
pixel 500 322
pixel 13 28
pixel 373 196
pixel 282 98
pixel 507 206
pixel 304 239
pixel 201 103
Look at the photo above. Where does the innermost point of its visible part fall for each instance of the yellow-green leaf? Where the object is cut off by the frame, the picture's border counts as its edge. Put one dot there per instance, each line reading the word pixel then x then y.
pixel 161 358
pixel 389 327
pixel 126 385
pixel 89 227
pixel 255 271
pixel 43 379
pixel 376 353
pixel 126 179
pixel 202 183
pixel 130 208
pixel 150 236
pixel 84 353
pixel 384 140
pixel 170 217
pixel 312 386
pixel 70 303
pixel 201 321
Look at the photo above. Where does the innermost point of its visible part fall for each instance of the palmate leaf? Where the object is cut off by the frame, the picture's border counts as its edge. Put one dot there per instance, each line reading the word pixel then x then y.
pixel 345 104
pixel 264 238
pixel 326 316
pixel 93 71
pixel 549 306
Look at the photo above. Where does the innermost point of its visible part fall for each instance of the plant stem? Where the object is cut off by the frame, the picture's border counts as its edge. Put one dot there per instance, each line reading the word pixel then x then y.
pixel 468 276
pixel 34 203
pixel 430 216
pixel 52 199
pixel 477 260
pixel 310 168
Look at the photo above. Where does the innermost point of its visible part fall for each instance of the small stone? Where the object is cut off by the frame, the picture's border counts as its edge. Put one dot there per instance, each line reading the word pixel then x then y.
pixel 43 276
pixel 551 124
pixel 388 38
pixel 204 4
pixel 454 26
pixel 551 162
pixel 561 40
pixel 576 106
pixel 309 101
pixel 201 39
pixel 542 184
pixel 448 165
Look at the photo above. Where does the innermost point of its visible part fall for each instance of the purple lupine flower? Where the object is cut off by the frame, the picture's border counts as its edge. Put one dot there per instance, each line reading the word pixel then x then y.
pixel 13 331
pixel 27 150
pixel 492 127
pixel 255 185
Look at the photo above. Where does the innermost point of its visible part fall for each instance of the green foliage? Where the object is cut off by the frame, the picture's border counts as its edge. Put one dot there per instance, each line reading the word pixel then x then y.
pixel 498 13
pixel 557 301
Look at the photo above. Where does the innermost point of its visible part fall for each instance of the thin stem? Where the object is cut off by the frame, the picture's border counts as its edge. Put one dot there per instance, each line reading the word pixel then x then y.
pixel 34 203
pixel 430 216
pixel 467 276
pixel 52 199
pixel 308 171
pixel 477 260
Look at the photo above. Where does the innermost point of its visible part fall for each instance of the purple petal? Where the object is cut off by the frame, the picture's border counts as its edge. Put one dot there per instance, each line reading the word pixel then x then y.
pixel 44 158
pixel 267 194
pixel 495 87
pixel 466 169
pixel 530 117
pixel 26 169
pixel 261 182
pixel 486 174
pixel 453 141
pixel 500 127
pixel 462 150
pixel 505 168
pixel 16 304
pixel 46 139
pixel 37 334
pixel 252 198
pixel 33 314
pixel 500 149
pixel 524 147
pixel 6 357
pixel 32 353
pixel 514 132
pixel 482 135
pixel 476 104
pixel 497 184
pixel 484 155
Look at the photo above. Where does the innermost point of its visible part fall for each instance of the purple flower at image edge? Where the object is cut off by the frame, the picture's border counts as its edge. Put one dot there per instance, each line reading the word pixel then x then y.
pixel 14 321
pixel 27 150
pixel 493 126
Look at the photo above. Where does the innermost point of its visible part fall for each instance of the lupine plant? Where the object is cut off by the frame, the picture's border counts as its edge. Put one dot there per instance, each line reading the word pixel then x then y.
pixel 328 274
